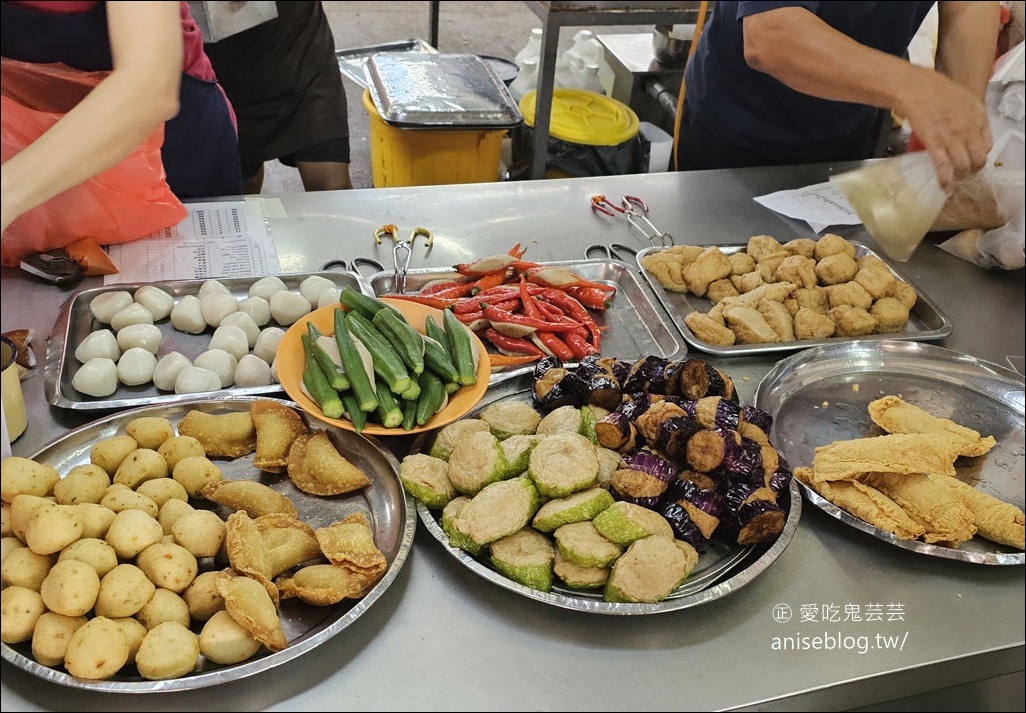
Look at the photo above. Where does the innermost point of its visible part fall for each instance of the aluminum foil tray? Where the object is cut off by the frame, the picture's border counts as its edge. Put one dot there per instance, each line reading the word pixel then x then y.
pixel 353 62
pixel 75 321
pixel 420 90
pixel 925 322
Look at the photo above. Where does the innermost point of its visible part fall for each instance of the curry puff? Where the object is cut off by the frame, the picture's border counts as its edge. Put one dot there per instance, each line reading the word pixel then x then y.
pixel 894 415
pixel 249 604
pixel 315 466
pixel 227 435
pixel 350 544
pixel 277 427
pixel 255 498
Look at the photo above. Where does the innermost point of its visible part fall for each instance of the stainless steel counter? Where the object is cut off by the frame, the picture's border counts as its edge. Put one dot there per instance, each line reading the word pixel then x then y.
pixel 441 638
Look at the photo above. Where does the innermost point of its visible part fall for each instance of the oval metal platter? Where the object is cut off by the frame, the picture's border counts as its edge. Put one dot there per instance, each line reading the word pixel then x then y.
pixel 384 502
pixel 821 395
pixel 721 569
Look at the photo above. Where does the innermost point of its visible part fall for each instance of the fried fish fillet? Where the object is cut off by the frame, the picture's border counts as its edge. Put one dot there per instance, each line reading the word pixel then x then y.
pixel 895 415
pixel 947 518
pixel 995 519
pixel 866 503
pixel 904 453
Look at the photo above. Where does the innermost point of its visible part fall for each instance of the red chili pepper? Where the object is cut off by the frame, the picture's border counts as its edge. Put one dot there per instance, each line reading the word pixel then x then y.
pixel 551 311
pixel 496 315
pixel 493 279
pixel 460 289
pixel 530 308
pixel 591 297
pixel 429 300
pixel 575 309
pixel 500 360
pixel 433 288
pixel 517 252
pixel 579 344
pixel 511 345
pixel 554 345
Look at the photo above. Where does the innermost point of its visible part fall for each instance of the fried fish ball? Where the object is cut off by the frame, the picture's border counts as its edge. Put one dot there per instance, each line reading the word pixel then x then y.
pixel 150 431
pixel 70 588
pixel 170 512
pixel 23 475
pixel 709 330
pixel 852 321
pixel 161 490
pixel 97 650
pixel 169 650
pixel 53 528
pixel 224 641
pixel 132 531
pixel 195 473
pixel 134 632
pixel 23 508
pixel 123 591
pixel 25 568
pixel 51 636
pixel 176 448
pixel 140 465
pixel 93 551
pixel 120 497
pixel 108 453
pixel 890 315
pixel 202 596
pixel 20 609
pixel 201 532
pixel 812 324
pixel 85 483
pixel 168 565
pixel 254 498
pixel 164 605
pixel 96 519
pixel 228 435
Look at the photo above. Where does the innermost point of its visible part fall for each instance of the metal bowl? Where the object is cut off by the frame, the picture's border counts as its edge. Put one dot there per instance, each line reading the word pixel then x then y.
pixel 669 50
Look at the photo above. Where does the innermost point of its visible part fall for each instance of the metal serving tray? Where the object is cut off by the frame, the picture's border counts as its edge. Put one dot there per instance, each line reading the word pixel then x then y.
pixel 384 502
pixel 926 321
pixel 353 62
pixel 75 321
pixel 635 327
pixel 821 395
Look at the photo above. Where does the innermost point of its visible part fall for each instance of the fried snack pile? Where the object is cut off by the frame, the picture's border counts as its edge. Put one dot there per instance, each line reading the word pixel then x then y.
pixel 123 561
pixel 904 482
pixel 784 292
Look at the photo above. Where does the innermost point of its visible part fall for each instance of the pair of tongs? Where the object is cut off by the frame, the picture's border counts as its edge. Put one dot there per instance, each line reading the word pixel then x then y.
pixel 403 249
pixel 630 206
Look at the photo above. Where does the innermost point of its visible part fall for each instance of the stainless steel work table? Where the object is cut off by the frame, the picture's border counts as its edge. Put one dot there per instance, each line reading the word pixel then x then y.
pixel 442 638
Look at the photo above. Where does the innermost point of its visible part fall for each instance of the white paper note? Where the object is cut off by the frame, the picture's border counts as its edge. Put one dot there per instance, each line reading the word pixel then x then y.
pixel 216 240
pixel 820 206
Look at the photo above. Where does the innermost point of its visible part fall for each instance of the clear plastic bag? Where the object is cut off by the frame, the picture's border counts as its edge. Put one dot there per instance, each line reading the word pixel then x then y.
pixel 126 202
pixel 898 199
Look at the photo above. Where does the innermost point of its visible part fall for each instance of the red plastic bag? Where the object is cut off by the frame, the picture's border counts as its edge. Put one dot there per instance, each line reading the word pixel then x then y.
pixel 126 202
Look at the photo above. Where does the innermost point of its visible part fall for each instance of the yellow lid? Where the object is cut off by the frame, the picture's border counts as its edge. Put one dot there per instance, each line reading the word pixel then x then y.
pixel 584 117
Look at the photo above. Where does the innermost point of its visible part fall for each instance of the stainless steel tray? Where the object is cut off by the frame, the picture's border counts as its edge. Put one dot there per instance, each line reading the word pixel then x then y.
pixel 721 569
pixel 75 321
pixel 821 395
pixel 384 503
pixel 635 326
pixel 926 321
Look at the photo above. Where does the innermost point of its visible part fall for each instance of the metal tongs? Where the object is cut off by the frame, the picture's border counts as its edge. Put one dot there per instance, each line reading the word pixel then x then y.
pixel 630 206
pixel 403 249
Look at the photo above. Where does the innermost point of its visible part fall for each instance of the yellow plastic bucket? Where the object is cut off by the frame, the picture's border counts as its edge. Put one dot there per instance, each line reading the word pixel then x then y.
pixel 589 134
pixel 425 157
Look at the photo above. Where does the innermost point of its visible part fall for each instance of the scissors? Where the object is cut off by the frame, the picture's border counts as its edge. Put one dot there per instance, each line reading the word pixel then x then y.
pixel 613 251
pixel 636 211
pixel 354 264
pixel 403 249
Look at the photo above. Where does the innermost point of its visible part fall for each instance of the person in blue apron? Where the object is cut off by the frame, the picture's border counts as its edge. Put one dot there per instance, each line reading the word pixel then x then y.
pixel 200 153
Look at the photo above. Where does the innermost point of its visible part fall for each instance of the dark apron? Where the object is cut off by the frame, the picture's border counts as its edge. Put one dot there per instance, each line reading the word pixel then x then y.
pixel 201 149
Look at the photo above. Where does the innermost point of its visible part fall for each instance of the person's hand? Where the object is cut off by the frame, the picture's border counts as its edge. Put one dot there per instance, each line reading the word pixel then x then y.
pixel 952 124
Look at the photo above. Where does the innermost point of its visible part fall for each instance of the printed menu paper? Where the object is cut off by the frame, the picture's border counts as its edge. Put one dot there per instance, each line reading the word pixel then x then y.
pixel 219 239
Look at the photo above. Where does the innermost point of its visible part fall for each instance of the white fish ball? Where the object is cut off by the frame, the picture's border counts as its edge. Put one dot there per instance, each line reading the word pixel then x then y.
pixel 97 377
pixel 194 379
pixel 231 339
pixel 252 371
pixel 136 366
pixel 267 343
pixel 187 315
pixel 217 307
pixel 159 302
pixel 287 307
pixel 244 322
pixel 221 363
pixel 104 306
pixel 147 336
pixel 212 287
pixel 134 313
pixel 166 371
pixel 312 287
pixel 258 308
pixel 101 343
pixel 328 297
pixel 267 286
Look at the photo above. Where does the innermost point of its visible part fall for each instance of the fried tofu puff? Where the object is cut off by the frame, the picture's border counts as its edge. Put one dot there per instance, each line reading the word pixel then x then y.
pixel 852 321
pixel 709 266
pixel 890 315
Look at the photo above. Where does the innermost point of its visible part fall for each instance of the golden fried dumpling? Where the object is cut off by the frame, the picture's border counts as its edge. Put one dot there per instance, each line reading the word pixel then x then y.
pixel 277 427
pixel 315 466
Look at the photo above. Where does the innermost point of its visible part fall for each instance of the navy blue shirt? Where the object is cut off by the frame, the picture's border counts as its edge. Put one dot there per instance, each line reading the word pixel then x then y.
pixel 736 116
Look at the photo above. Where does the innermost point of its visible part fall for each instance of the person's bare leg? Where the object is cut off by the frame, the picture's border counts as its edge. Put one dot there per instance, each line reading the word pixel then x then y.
pixel 324 175
pixel 255 183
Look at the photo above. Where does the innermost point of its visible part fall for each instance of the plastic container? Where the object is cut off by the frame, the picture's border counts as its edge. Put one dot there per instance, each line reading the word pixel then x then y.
pixel 589 134
pixel 532 50
pixel 526 80
pixel 589 50
pixel 434 156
